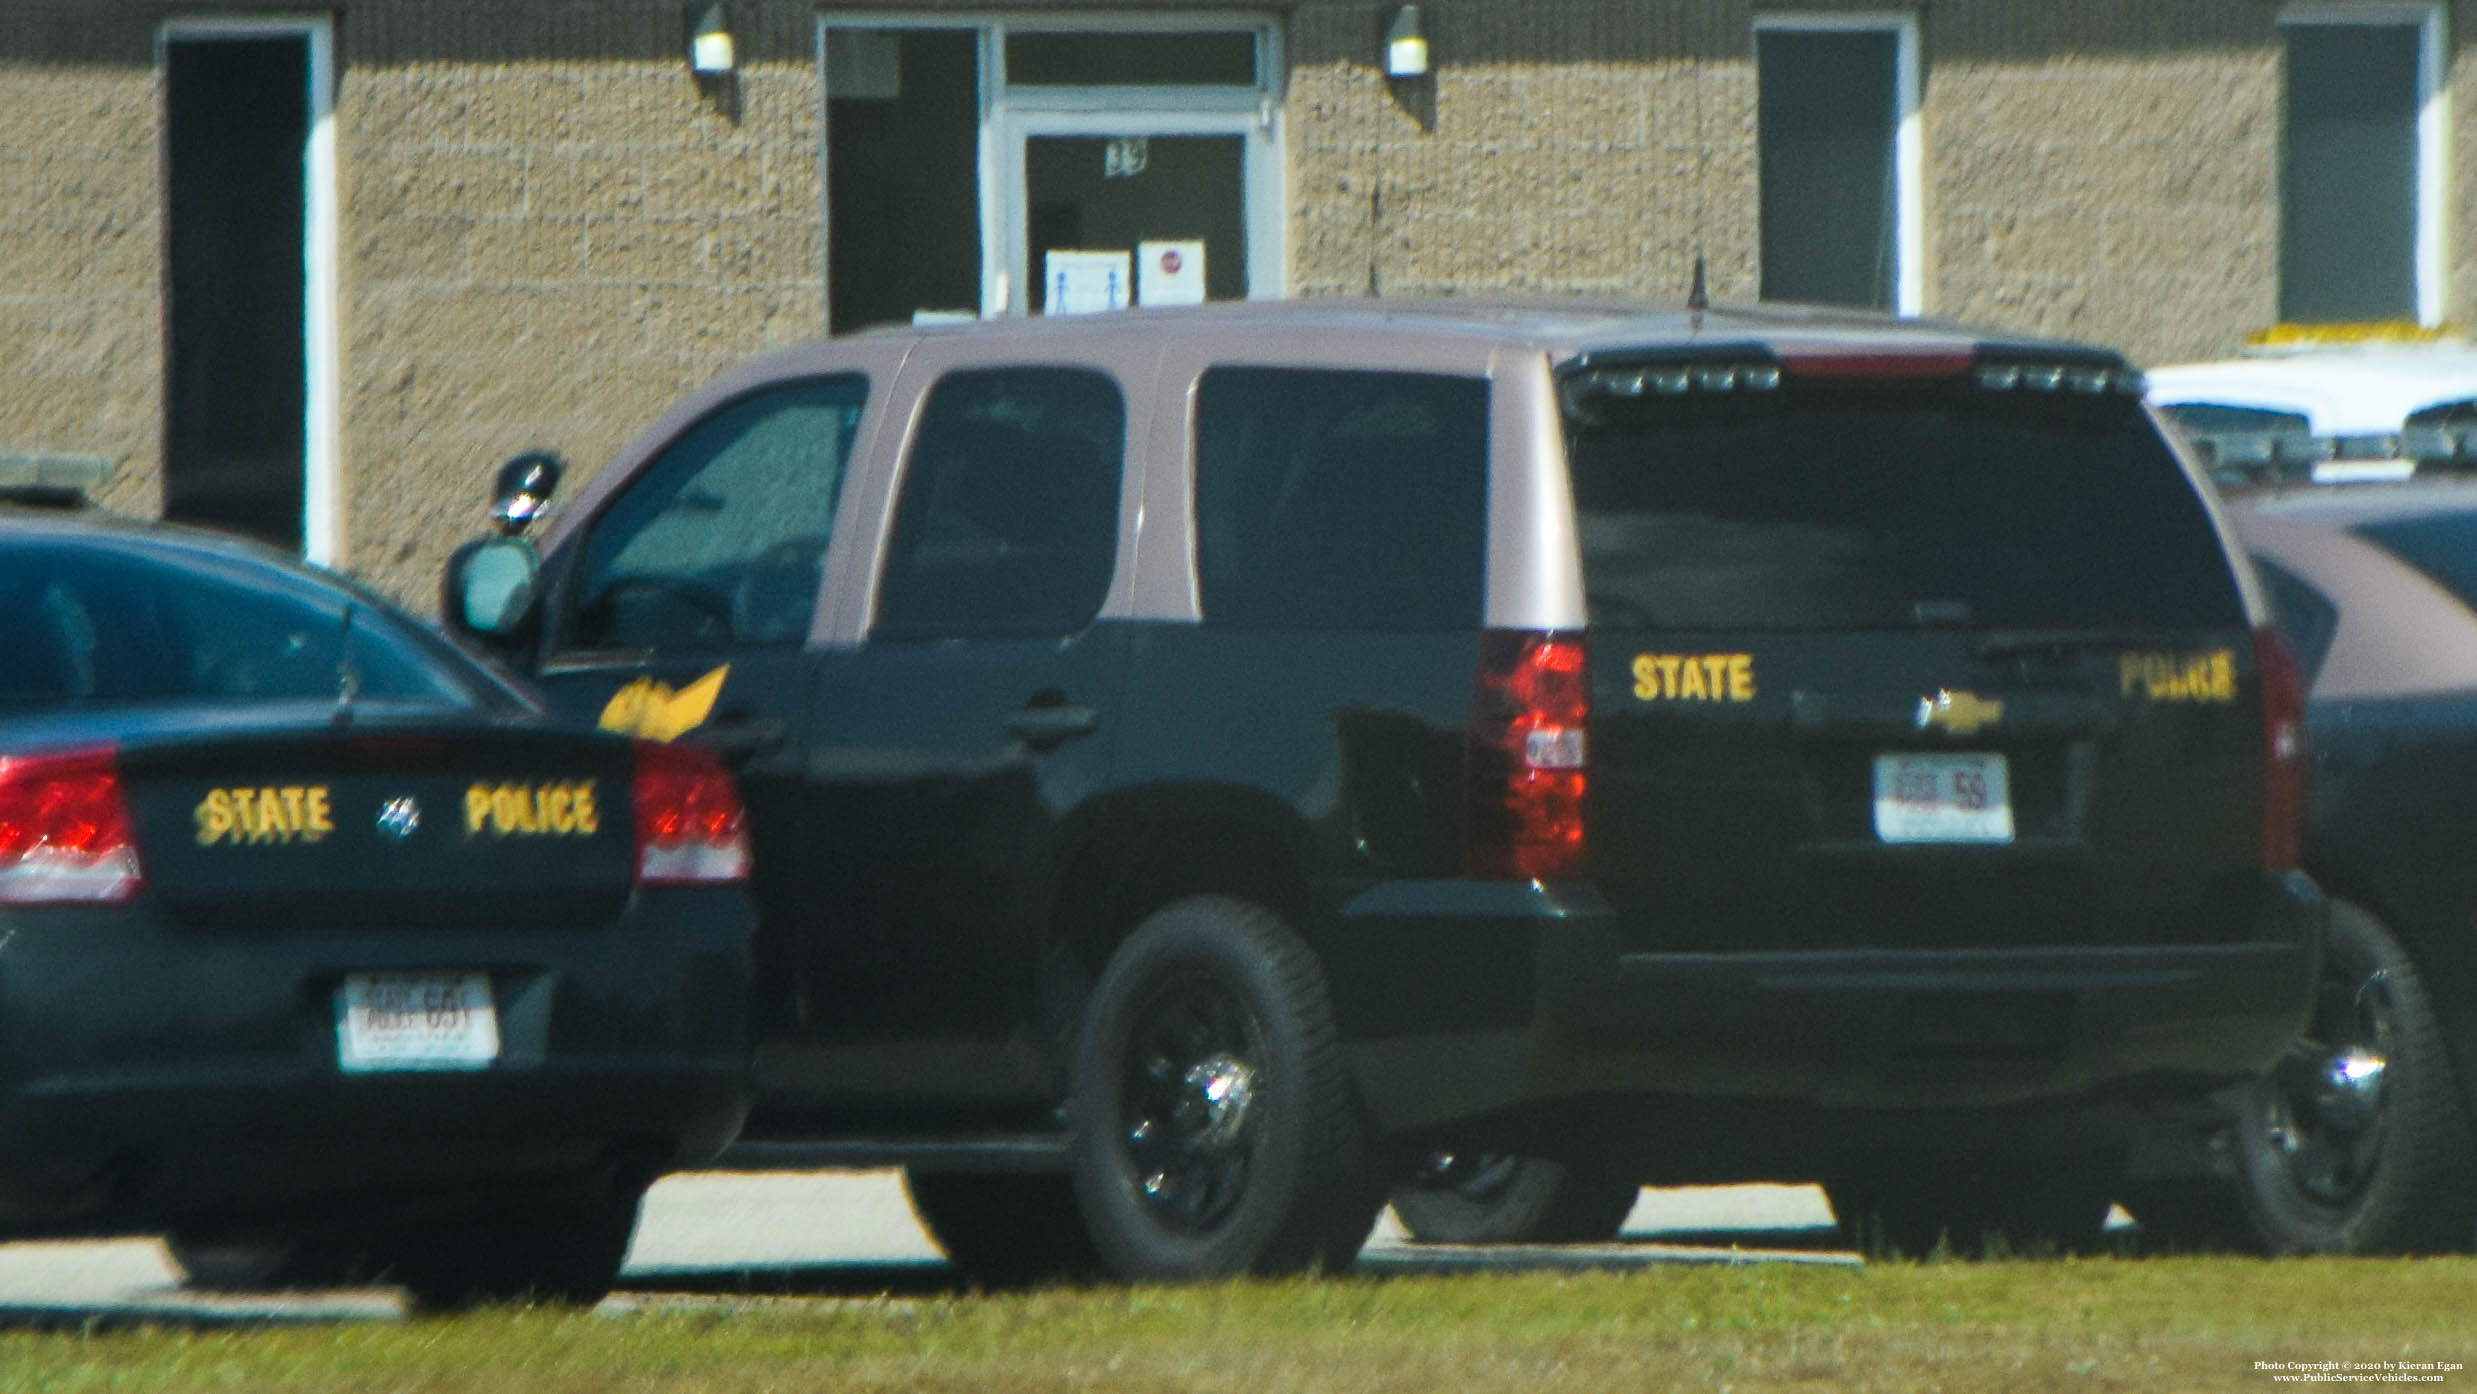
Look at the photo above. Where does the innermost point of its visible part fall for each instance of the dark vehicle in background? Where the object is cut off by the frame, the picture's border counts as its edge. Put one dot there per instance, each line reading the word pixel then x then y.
pixel 327 952
pixel 2361 1139
pixel 1211 769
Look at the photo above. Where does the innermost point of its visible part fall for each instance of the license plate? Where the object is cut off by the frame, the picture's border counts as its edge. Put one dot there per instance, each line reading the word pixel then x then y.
pixel 1942 798
pixel 415 1021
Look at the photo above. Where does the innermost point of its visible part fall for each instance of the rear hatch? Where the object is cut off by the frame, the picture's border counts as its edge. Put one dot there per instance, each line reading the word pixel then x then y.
pixel 415 823
pixel 1907 652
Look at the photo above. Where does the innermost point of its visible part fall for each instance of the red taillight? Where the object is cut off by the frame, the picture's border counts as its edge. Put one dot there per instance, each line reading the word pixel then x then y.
pixel 64 830
pixel 1529 713
pixel 2283 750
pixel 690 828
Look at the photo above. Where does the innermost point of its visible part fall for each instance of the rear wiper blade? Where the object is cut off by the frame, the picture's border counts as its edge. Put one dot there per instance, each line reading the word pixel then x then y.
pixel 2018 643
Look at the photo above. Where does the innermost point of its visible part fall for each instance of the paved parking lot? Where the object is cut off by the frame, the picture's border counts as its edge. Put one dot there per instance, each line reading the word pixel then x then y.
pixel 833 1234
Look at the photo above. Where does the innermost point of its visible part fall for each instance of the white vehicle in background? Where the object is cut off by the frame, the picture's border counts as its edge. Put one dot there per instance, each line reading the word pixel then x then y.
pixel 2327 412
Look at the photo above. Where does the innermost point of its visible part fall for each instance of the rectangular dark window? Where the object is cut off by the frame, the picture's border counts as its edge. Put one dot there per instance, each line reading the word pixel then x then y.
pixel 1198 59
pixel 236 126
pixel 2348 173
pixel 1889 509
pixel 1333 499
pixel 1828 116
pixel 1006 526
pixel 902 174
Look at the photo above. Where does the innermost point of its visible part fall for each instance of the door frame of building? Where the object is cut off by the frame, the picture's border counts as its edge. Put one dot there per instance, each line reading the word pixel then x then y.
pixel 2431 260
pixel 1909 147
pixel 1009 115
pixel 322 521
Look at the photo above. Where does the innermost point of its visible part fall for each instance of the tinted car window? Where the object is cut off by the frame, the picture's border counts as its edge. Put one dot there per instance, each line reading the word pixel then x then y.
pixel 1007 522
pixel 82 622
pixel 2443 546
pixel 1820 509
pixel 1341 500
pixel 2304 614
pixel 722 541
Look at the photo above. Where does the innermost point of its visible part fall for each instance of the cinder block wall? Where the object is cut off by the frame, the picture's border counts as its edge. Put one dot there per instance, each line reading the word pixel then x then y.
pixel 547 232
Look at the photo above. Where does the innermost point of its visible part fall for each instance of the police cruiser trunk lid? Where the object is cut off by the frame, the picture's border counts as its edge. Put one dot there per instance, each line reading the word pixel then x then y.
pixel 382 823
pixel 1909 657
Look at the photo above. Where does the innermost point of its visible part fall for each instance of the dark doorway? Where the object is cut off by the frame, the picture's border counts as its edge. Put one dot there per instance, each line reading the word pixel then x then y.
pixel 902 174
pixel 237 118
pixel 1827 120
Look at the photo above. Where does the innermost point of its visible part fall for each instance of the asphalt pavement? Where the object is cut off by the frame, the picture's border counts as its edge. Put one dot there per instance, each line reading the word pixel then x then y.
pixel 826 1235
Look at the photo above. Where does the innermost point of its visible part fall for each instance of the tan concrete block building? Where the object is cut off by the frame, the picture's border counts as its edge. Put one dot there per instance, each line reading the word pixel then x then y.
pixel 310 272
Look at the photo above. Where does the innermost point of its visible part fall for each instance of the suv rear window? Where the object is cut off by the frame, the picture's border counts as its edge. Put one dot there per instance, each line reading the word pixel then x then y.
pixel 1878 509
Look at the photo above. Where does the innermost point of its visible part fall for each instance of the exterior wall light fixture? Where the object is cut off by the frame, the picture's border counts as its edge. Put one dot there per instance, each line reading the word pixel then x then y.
pixel 1406 44
pixel 711 53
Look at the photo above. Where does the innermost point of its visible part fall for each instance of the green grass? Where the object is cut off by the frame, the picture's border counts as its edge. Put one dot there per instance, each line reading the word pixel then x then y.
pixel 2094 1324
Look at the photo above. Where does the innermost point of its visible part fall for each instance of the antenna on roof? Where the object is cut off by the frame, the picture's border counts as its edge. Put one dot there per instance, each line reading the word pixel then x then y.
pixel 1376 233
pixel 1699 294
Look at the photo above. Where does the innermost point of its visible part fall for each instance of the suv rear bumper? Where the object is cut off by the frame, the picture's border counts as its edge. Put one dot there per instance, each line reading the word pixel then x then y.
pixel 1521 996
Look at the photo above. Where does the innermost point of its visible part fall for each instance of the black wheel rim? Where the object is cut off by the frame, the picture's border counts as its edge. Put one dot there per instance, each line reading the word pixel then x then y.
pixel 1188 1101
pixel 2326 1100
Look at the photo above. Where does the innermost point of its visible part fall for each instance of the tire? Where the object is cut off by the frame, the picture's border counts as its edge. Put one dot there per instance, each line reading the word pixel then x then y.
pixel 266 1261
pixel 1984 1206
pixel 2359 1140
pixel 1500 1198
pixel 559 1246
pixel 1214 1129
pixel 1006 1230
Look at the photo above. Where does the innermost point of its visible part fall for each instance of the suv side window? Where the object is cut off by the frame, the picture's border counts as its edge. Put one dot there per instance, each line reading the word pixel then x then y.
pixel 722 541
pixel 1007 523
pixel 1333 499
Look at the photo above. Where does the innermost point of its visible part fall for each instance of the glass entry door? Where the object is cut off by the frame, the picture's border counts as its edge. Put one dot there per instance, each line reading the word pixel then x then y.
pixel 1174 204
pixel 1077 163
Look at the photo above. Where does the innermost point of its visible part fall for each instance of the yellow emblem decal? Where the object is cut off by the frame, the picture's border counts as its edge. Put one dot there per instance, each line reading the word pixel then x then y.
pixel 1959 713
pixel 2179 677
pixel 653 710
pixel 270 813
pixel 564 809
pixel 1694 677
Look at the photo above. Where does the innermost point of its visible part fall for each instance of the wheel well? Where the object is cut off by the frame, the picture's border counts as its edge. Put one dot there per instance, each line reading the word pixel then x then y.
pixel 1121 876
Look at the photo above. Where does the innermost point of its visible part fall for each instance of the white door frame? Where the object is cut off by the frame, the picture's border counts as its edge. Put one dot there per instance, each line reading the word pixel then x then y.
pixel 1909 142
pixel 322 513
pixel 1010 114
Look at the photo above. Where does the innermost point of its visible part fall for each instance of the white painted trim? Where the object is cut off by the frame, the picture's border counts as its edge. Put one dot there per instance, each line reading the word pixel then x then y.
pixel 1909 141
pixel 1008 114
pixel 2431 253
pixel 322 510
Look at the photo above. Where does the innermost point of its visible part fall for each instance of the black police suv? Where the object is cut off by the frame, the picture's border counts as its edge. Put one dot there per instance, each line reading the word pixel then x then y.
pixel 329 953
pixel 1211 769
pixel 2362 1138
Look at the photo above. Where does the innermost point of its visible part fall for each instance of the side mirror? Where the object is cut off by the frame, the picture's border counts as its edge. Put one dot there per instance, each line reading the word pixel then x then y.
pixel 487 591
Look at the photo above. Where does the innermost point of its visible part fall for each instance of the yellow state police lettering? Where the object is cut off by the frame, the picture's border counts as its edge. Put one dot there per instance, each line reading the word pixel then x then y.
pixel 2175 677
pixel 1694 677
pixel 562 808
pixel 264 814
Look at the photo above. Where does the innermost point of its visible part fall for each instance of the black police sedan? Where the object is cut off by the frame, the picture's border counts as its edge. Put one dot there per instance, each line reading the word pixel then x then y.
pixel 321 949
pixel 2362 1140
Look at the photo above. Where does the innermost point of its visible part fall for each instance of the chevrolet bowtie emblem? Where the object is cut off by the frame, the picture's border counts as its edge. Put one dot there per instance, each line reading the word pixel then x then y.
pixel 1959 713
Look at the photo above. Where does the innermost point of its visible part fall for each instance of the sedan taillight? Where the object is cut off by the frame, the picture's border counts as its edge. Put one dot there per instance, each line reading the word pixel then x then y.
pixel 64 830
pixel 690 828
